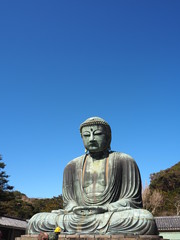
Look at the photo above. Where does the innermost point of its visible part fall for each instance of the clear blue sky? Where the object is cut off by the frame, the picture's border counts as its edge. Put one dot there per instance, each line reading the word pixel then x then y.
pixel 64 61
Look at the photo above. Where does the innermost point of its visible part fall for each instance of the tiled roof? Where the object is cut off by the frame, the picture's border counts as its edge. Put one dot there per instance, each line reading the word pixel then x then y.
pixel 13 223
pixel 168 223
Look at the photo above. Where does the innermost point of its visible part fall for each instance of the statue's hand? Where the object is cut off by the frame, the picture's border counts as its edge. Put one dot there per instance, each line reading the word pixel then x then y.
pixel 89 210
pixel 120 205
pixel 59 211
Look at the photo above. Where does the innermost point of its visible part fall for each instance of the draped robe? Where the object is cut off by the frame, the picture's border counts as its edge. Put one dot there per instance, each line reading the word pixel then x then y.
pixel 121 197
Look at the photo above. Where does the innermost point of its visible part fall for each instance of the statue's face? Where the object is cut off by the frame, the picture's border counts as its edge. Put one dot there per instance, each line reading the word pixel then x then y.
pixel 95 138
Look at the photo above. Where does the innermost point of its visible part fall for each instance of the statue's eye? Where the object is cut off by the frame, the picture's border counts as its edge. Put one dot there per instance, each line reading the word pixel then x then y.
pixel 98 133
pixel 86 134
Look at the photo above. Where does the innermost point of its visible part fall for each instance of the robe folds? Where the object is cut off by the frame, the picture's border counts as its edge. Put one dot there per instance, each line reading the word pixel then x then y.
pixel 121 198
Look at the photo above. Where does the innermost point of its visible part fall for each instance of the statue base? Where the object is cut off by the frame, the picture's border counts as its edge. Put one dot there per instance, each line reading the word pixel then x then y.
pixel 97 237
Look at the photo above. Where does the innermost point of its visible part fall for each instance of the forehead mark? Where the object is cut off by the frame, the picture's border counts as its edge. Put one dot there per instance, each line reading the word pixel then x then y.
pixel 93 128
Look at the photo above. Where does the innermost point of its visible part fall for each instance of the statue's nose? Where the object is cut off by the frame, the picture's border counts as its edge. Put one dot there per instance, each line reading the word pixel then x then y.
pixel 91 137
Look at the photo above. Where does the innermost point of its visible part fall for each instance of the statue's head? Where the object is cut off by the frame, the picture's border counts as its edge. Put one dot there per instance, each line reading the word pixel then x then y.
pixel 96 134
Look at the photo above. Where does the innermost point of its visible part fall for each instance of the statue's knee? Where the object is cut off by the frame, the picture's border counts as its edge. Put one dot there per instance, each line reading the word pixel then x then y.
pixel 133 213
pixel 142 213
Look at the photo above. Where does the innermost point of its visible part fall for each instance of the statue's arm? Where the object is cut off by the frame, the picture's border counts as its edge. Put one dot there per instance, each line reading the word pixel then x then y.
pixel 128 181
pixel 69 199
pixel 70 206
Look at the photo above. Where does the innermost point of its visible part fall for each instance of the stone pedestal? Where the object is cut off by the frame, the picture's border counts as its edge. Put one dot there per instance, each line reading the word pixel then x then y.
pixel 97 237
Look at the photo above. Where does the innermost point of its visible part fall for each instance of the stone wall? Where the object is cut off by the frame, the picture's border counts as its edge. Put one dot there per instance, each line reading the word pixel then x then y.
pixel 97 237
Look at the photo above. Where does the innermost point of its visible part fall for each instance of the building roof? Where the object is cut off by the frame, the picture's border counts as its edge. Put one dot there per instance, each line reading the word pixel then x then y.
pixel 168 223
pixel 13 223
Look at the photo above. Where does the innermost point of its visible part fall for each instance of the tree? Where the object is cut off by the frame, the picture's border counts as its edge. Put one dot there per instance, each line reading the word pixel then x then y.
pixel 152 200
pixel 47 204
pixel 5 188
pixel 156 201
pixel 146 193
pixel 177 205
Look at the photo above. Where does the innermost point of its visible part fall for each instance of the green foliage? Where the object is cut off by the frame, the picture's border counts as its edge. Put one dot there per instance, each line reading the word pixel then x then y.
pixel 48 204
pixel 5 188
pixel 17 207
pixel 23 207
pixel 17 204
pixel 168 182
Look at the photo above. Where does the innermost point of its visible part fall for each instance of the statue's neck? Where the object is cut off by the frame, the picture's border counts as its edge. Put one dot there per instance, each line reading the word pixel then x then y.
pixel 99 155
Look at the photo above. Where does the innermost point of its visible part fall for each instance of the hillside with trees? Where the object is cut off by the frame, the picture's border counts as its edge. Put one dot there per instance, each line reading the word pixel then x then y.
pixel 17 204
pixel 21 206
pixel 162 196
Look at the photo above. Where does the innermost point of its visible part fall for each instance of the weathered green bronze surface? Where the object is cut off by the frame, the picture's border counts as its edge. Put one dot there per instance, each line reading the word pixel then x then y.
pixel 101 191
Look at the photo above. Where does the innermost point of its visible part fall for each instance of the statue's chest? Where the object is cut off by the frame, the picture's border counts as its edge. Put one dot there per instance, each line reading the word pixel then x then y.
pixel 94 180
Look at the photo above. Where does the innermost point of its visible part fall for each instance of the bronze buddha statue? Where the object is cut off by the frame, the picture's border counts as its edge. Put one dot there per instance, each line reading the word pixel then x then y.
pixel 101 191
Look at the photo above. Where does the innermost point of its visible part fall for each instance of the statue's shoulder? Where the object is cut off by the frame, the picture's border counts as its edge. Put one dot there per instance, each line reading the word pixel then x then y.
pixel 120 156
pixel 75 161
